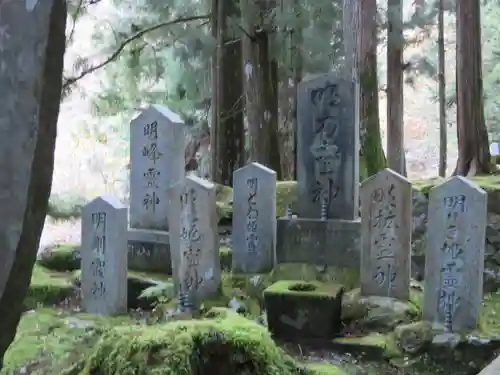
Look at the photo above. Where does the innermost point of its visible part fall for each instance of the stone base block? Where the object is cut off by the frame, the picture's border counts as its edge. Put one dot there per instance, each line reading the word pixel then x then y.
pixel 149 251
pixel 298 310
pixel 321 242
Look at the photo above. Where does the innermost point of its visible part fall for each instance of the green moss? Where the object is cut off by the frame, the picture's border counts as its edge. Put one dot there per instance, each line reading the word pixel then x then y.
pixel 372 342
pixel 226 258
pixel 60 258
pixel 286 195
pixel 324 369
pixel 302 288
pixel 45 337
pixel 348 278
pixel 47 287
pixel 222 345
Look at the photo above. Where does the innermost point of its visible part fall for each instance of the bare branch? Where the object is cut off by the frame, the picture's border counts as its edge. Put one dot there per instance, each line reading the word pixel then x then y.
pixel 71 80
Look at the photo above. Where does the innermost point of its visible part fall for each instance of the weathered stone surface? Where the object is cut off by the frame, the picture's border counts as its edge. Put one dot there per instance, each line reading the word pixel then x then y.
pixel 149 251
pixel 328 148
pixel 104 256
pixel 298 310
pixel 455 254
pixel 329 242
pixel 386 235
pixel 157 144
pixel 377 313
pixel 254 219
pixel 194 238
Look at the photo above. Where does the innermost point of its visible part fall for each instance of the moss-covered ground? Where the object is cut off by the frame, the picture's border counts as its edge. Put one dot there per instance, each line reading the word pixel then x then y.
pixel 56 339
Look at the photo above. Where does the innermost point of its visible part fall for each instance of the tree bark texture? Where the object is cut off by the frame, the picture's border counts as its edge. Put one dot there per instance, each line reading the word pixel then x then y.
pixel 260 88
pixel 230 133
pixel 395 129
pixel 473 148
pixel 31 85
pixel 371 150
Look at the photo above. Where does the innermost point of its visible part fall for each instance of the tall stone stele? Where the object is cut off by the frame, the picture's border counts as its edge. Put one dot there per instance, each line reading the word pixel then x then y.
pixel 454 259
pixel 157 143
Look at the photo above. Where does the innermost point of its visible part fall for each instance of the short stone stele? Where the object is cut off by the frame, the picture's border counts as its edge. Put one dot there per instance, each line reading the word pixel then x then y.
pixel 104 256
pixel 254 219
pixel 194 238
pixel 386 225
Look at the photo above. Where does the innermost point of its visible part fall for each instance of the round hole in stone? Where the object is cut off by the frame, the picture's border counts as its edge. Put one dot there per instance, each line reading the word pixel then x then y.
pixel 302 287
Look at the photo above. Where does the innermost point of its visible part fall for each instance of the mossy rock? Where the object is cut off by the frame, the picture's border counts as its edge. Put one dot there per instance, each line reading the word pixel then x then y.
pixel 62 258
pixel 377 313
pixel 48 288
pixel 224 344
pixel 413 337
pixel 299 311
pixel 46 336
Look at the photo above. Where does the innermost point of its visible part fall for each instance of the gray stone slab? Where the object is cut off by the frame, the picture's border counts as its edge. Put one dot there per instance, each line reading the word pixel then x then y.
pixel 328 148
pixel 254 219
pixel 330 242
pixel 194 237
pixel 493 368
pixel 149 251
pixel 104 256
pixel 157 143
pixel 454 262
pixel 386 226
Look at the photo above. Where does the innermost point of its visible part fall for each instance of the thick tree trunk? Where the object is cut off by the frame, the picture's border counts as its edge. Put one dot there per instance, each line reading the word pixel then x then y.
pixel 30 102
pixel 260 89
pixel 473 148
pixel 443 135
pixel 228 140
pixel 395 129
pixel 371 149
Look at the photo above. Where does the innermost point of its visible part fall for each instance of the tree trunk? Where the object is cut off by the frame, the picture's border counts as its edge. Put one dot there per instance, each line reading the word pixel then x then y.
pixel 214 107
pixel 395 129
pixel 260 87
pixel 229 132
pixel 296 41
pixel 372 152
pixel 31 99
pixel 443 143
pixel 473 148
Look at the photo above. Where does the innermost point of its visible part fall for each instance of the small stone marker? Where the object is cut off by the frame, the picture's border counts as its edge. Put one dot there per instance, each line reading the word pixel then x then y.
pixel 254 219
pixel 454 260
pixel 328 148
pixel 386 225
pixel 194 238
pixel 156 163
pixel 104 256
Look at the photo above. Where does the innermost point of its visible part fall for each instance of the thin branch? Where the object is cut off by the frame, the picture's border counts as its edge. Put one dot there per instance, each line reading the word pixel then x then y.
pixel 74 18
pixel 71 80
